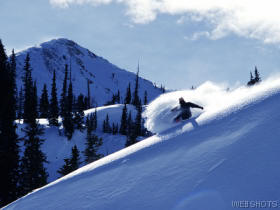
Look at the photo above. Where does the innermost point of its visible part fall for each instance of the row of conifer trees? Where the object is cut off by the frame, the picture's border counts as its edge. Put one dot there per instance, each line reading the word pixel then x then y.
pixel 19 175
pixel 23 174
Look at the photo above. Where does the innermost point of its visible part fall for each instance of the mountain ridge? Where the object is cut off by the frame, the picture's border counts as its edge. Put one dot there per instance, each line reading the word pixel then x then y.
pixel 104 77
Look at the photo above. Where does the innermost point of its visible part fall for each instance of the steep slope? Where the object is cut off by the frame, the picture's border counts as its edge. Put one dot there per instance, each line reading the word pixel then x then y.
pixel 105 78
pixel 228 153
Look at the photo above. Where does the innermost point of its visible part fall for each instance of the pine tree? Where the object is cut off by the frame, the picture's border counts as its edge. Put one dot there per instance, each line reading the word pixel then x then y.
pixel 130 140
pixel 145 98
pixel 63 98
pixel 257 75
pixel 92 142
pixel 44 103
pixel 66 168
pixel 255 80
pixel 130 124
pixel 138 121
pixel 33 173
pixel 136 99
pixel 251 76
pixel 128 95
pixel 9 149
pixel 106 125
pixel 95 120
pixel 68 122
pixel 72 163
pixel 79 114
pixel 35 100
pixel 252 80
pixel 118 97
pixel 88 105
pixel 13 67
pixel 131 137
pixel 115 128
pixel 28 113
pixel 54 111
pixel 75 158
pixel 20 104
pixel 123 128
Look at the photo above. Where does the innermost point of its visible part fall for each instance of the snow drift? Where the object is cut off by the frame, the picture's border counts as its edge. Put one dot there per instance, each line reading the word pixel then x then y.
pixel 231 155
pixel 217 100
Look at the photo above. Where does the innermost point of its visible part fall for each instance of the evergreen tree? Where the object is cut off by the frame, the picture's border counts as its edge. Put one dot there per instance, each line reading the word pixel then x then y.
pixel 257 75
pixel 128 95
pixel 54 111
pixel 20 104
pixel 72 163
pixel 35 100
pixel 66 168
pixel 118 97
pixel 138 121
pixel 106 125
pixel 88 105
pixel 9 150
pixel 115 128
pixel 104 128
pixel 13 65
pixel 68 122
pixel 95 120
pixel 28 113
pixel 79 114
pixel 252 80
pixel 92 142
pixel 251 76
pixel 123 127
pixel 255 80
pixel 132 130
pixel 33 173
pixel 75 158
pixel 145 98
pixel 130 124
pixel 44 103
pixel 63 98
pixel 136 99
pixel 131 139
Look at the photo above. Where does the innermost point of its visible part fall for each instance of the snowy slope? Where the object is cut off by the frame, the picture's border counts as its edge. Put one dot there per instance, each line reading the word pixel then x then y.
pixel 58 147
pixel 106 79
pixel 230 152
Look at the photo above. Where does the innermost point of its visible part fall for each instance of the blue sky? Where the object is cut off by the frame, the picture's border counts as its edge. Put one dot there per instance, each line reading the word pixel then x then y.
pixel 179 43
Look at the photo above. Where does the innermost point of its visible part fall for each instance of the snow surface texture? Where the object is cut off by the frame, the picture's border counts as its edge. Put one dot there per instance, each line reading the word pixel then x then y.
pixel 232 154
pixel 217 101
pixel 58 147
pixel 105 78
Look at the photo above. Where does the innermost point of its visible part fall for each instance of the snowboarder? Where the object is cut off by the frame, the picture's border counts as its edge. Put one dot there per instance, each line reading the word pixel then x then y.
pixel 185 110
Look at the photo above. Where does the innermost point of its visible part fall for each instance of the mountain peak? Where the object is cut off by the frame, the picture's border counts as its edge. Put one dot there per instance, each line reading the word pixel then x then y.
pixel 105 78
pixel 60 42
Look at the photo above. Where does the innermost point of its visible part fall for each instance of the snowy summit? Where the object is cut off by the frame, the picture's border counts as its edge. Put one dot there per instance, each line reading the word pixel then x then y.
pixel 105 79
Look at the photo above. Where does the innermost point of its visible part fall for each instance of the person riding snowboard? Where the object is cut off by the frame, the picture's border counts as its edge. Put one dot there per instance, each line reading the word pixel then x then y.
pixel 185 109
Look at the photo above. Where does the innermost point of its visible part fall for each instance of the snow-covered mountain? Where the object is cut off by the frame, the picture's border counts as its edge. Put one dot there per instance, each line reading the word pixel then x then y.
pixel 105 78
pixel 221 158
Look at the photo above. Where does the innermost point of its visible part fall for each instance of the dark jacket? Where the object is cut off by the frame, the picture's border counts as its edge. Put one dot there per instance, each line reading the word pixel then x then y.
pixel 185 108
